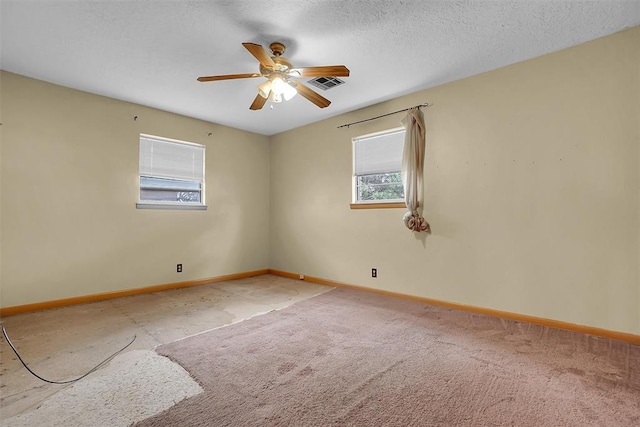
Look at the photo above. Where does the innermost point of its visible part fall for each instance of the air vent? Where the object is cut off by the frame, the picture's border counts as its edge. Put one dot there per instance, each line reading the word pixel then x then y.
pixel 325 83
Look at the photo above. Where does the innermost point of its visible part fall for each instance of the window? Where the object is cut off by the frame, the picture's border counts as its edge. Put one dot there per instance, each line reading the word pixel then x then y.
pixel 171 174
pixel 377 160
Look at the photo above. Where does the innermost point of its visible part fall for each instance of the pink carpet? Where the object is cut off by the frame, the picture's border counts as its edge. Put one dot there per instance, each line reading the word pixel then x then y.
pixel 353 358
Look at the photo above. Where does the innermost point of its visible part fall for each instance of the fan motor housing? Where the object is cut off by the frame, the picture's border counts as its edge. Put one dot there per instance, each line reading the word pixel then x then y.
pixel 277 48
pixel 282 64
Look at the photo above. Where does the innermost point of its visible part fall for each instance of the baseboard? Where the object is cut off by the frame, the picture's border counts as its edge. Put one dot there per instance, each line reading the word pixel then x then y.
pixel 27 308
pixel 605 333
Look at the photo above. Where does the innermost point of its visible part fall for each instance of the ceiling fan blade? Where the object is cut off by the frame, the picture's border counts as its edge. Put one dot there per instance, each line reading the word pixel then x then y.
pixel 258 103
pixel 325 71
pixel 228 77
pixel 312 96
pixel 260 54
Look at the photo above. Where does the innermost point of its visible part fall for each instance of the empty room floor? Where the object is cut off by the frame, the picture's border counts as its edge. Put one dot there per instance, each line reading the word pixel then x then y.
pixel 64 343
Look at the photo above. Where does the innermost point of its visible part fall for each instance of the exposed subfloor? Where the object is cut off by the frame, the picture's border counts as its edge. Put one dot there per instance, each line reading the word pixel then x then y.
pixel 64 343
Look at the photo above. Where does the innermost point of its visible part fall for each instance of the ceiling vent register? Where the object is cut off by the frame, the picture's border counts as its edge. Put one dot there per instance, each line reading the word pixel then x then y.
pixel 325 83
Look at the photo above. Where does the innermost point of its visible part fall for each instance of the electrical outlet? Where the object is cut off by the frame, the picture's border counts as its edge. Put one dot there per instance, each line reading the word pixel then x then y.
pixel 374 272
pixel 179 268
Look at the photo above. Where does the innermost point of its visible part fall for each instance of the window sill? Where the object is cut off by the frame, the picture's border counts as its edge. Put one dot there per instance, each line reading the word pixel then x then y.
pixel 168 206
pixel 380 205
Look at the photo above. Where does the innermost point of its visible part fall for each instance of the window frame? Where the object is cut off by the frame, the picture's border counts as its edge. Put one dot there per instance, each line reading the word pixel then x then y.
pixel 376 203
pixel 175 205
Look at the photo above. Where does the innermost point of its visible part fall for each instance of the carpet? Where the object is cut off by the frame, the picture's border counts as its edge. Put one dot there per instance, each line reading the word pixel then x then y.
pixel 347 357
pixel 134 386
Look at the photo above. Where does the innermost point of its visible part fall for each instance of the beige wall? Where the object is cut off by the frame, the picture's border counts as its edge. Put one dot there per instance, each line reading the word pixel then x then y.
pixel 532 192
pixel 69 222
pixel 1 144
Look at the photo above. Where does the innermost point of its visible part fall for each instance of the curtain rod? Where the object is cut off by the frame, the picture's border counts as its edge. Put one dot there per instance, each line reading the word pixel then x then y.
pixel 426 104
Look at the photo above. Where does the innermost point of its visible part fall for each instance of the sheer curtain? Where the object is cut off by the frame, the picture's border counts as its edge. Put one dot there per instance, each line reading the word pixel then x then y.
pixel 412 169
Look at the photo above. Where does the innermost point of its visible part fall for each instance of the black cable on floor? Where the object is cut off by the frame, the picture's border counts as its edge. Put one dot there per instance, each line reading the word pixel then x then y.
pixel 4 332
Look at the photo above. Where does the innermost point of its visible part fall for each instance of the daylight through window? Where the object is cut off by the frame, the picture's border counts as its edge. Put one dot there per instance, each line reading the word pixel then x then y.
pixel 377 160
pixel 171 174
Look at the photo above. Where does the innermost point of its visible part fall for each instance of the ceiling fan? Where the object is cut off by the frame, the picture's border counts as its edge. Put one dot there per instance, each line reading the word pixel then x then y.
pixel 280 76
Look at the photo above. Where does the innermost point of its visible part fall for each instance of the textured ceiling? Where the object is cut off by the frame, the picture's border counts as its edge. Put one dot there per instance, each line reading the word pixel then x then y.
pixel 150 52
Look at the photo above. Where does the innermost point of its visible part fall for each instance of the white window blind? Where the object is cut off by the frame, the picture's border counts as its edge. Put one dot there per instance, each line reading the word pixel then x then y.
pixel 160 158
pixel 377 161
pixel 378 153
pixel 171 174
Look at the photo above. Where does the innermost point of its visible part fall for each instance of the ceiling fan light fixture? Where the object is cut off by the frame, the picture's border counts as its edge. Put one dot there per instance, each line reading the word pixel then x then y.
pixel 289 92
pixel 264 89
pixel 276 88
pixel 275 97
pixel 280 84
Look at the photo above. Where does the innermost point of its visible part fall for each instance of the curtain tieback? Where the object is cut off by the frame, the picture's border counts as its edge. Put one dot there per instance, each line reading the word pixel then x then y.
pixel 415 222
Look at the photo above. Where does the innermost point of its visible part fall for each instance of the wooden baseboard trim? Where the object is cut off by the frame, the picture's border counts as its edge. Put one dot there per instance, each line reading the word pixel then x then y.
pixel 27 308
pixel 605 333
pixel 286 274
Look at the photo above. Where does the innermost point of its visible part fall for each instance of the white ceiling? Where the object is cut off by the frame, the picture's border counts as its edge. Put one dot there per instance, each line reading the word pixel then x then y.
pixel 151 52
